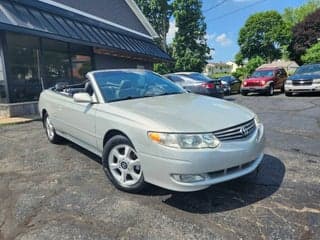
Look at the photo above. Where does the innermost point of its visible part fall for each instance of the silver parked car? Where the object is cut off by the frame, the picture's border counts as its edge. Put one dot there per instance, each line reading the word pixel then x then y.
pixel 148 130
pixel 197 83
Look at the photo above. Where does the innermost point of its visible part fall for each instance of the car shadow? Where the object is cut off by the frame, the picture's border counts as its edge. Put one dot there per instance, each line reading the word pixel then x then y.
pixel 234 194
pixel 255 94
pixel 82 150
pixel 312 94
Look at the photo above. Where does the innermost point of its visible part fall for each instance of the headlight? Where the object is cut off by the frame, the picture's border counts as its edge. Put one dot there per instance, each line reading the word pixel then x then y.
pixel 186 141
pixel 288 82
pixel 316 81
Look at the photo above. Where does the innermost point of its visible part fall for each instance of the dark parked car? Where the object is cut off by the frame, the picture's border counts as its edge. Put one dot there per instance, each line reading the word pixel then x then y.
pixel 197 83
pixel 306 79
pixel 230 84
pixel 265 80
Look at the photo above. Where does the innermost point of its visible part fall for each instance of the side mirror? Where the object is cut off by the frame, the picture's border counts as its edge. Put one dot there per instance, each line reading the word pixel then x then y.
pixel 82 97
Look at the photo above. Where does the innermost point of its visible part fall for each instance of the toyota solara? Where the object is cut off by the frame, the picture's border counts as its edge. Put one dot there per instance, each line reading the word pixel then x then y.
pixel 146 129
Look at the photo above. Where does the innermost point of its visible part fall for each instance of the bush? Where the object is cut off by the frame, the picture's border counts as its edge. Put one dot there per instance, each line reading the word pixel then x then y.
pixel 312 54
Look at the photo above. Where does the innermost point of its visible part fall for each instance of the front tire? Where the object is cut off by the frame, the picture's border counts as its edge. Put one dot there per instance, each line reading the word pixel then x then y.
pixel 270 90
pixel 244 93
pixel 53 137
pixel 288 94
pixel 122 165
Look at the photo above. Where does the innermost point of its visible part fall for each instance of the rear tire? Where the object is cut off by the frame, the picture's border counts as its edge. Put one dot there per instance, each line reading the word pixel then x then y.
pixel 244 93
pixel 53 137
pixel 122 165
pixel 288 94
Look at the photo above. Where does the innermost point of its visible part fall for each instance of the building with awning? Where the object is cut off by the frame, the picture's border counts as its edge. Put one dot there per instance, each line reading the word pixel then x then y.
pixel 44 42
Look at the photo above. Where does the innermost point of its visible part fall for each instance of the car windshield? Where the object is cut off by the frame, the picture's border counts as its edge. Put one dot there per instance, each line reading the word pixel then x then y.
pixel 263 73
pixel 198 77
pixel 308 69
pixel 131 84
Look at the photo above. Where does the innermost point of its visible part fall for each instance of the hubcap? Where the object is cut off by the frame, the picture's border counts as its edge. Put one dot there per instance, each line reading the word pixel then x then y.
pixel 271 90
pixel 124 165
pixel 49 128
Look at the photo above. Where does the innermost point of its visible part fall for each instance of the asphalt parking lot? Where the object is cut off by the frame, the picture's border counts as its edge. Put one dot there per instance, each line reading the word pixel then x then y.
pixel 60 191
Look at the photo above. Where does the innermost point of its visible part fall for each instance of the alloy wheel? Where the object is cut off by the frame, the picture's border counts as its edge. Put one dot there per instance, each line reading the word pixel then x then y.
pixel 49 128
pixel 124 165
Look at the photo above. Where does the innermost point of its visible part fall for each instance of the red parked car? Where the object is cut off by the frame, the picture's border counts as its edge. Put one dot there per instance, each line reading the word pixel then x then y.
pixel 265 80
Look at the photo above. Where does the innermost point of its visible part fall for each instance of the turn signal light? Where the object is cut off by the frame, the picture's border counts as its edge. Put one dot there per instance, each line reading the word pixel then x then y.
pixel 156 137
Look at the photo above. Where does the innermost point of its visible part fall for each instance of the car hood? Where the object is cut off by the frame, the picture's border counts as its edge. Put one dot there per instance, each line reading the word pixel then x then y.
pixel 182 113
pixel 304 77
pixel 258 79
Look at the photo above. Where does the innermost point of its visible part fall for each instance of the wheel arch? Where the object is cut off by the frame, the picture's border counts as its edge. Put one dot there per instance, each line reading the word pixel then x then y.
pixel 111 133
pixel 43 113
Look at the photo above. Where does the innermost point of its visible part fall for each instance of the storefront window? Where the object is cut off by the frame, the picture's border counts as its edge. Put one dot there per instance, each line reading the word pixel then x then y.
pixel 23 68
pixel 56 63
pixel 81 61
pixel 34 64
pixel 81 64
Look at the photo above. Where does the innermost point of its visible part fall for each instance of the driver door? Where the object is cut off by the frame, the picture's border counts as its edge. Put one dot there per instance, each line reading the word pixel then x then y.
pixel 80 118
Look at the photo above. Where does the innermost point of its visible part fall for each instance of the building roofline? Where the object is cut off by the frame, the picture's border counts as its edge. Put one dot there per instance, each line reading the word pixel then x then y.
pixel 88 15
pixel 142 18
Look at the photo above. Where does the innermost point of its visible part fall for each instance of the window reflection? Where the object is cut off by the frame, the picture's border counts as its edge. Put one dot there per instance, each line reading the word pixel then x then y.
pixel 3 95
pixel 23 74
pixel 31 67
pixel 81 64
pixel 56 68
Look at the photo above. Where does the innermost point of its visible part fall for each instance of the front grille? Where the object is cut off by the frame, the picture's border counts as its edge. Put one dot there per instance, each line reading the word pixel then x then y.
pixel 236 132
pixel 253 84
pixel 302 82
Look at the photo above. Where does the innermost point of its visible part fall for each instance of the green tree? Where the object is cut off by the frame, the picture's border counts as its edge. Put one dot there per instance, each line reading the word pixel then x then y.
pixel 304 35
pixel 238 58
pixel 190 49
pixel 263 35
pixel 158 13
pixel 292 16
pixel 253 64
pixel 240 73
pixel 312 54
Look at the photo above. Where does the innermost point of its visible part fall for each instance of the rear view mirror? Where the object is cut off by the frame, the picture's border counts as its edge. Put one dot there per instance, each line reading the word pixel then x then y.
pixel 82 97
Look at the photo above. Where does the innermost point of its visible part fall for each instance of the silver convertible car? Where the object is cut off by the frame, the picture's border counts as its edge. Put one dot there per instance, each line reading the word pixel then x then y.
pixel 146 129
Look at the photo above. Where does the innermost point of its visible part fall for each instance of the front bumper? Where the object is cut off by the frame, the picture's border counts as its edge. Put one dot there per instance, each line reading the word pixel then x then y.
pixel 256 89
pixel 302 88
pixel 232 159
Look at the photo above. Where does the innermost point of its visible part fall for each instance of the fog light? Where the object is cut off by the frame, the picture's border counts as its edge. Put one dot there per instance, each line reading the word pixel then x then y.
pixel 189 178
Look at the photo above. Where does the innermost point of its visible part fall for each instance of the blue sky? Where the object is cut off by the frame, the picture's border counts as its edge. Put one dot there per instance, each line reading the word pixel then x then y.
pixel 225 20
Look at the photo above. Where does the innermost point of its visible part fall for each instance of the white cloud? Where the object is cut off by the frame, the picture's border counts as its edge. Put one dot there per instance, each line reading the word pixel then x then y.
pixel 223 40
pixel 171 32
pixel 210 36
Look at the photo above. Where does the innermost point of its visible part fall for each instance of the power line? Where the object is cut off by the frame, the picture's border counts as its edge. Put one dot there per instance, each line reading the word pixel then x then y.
pixel 215 6
pixel 235 11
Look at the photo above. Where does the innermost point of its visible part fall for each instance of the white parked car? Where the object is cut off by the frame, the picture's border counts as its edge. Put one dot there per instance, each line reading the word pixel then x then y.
pixel 146 129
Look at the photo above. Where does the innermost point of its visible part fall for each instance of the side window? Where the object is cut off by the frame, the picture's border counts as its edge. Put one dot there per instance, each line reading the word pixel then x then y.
pixel 175 79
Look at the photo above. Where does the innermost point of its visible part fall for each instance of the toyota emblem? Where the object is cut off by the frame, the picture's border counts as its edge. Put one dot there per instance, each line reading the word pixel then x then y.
pixel 244 131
